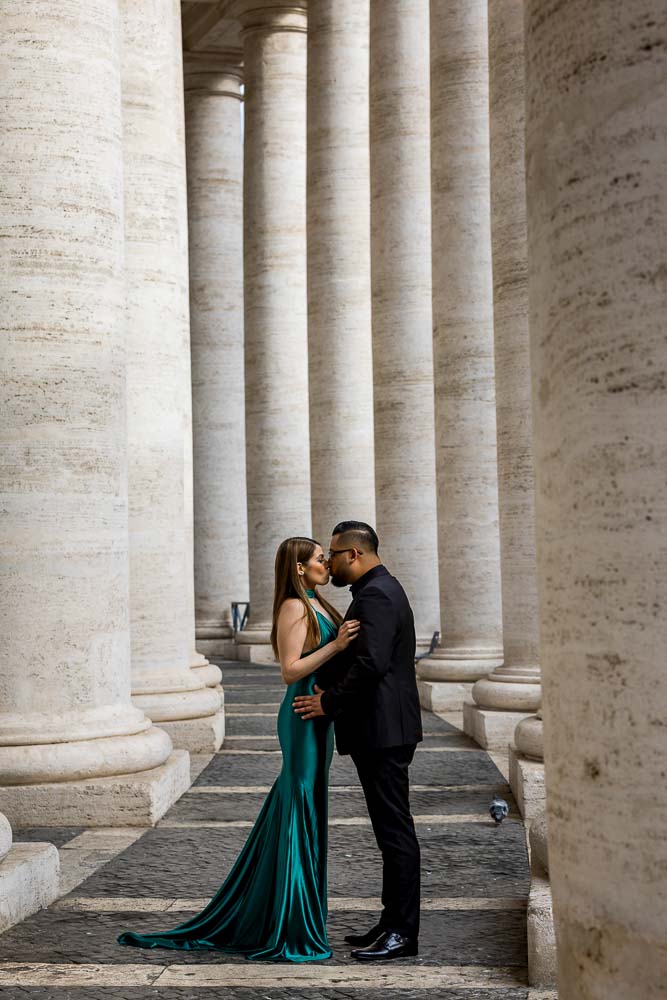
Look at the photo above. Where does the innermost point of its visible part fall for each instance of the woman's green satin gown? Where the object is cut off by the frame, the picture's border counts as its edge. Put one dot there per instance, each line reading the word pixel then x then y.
pixel 273 904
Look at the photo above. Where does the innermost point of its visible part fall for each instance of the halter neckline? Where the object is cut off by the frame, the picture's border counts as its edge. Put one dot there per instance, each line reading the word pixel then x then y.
pixel 310 593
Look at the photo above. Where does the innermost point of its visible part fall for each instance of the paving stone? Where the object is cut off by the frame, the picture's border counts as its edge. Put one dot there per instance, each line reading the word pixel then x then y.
pixel 252 743
pixel 264 678
pixel 246 725
pixel 58 835
pixel 468 937
pixel 246 682
pixel 247 694
pixel 434 724
pixel 453 740
pixel 249 669
pixel 452 768
pixel 265 724
pixel 252 695
pixel 475 859
pixel 263 993
pixel 465 768
pixel 241 769
pixel 222 806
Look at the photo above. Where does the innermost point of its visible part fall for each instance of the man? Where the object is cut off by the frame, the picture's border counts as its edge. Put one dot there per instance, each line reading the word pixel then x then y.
pixel 371 694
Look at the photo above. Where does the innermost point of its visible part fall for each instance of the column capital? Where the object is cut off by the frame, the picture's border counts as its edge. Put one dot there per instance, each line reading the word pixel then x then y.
pixel 219 73
pixel 268 15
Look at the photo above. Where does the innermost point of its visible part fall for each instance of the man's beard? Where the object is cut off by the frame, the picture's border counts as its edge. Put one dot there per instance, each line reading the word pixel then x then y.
pixel 336 581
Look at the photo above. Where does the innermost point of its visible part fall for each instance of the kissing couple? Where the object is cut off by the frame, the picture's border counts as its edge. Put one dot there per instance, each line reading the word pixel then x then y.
pixel 354 676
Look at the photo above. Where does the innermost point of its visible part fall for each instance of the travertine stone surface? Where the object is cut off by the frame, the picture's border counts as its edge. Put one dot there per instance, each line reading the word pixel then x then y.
pixel 526 778
pixel 276 341
pixel 526 765
pixel 199 735
pixel 162 618
pixel 137 799
pixel 443 697
pixel 539 843
pixel 5 836
pixel 339 269
pixel 471 641
pixel 529 737
pixel 28 881
pixel 401 278
pixel 65 653
pixel 596 92
pixel 75 760
pixel 492 729
pixel 214 156
pixel 198 662
pixel 542 964
pixel 516 685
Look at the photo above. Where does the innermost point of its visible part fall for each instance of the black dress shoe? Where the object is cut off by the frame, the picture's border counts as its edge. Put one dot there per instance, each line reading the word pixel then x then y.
pixel 363 940
pixel 388 945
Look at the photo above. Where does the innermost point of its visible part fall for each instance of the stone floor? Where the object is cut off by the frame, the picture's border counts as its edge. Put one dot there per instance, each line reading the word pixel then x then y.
pixel 475 881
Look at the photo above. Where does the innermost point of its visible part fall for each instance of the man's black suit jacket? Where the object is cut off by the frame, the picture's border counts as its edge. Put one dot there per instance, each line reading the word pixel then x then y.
pixel 371 687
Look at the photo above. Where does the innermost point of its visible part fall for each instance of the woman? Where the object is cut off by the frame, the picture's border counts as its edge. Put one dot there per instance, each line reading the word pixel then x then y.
pixel 273 904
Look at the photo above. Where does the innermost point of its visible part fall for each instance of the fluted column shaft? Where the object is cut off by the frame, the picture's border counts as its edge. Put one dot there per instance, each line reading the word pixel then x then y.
pixel 339 275
pixel 402 329
pixel 463 346
pixel 65 654
pixel 516 685
pixel 596 137
pixel 276 347
pixel 162 619
pixel 215 214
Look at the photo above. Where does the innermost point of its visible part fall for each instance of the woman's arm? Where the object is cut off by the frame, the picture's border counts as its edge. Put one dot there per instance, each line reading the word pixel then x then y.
pixel 292 631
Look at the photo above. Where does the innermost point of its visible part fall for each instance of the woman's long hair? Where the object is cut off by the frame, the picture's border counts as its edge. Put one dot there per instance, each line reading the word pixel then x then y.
pixel 290 584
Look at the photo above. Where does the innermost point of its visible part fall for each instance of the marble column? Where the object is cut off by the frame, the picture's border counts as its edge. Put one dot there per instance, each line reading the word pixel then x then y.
pixel 401 276
pixel 276 338
pixel 596 141
pixel 465 421
pixel 339 271
pixel 65 655
pixel 513 690
pixel 215 218
pixel 206 673
pixel 161 615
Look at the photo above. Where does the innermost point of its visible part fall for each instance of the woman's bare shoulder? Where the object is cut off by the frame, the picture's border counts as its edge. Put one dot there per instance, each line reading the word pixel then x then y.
pixel 292 609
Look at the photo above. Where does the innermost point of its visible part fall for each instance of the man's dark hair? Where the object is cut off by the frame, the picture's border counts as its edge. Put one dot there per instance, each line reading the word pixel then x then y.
pixel 359 534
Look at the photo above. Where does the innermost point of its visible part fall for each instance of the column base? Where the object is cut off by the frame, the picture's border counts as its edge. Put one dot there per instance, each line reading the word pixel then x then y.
pixel 443 696
pixel 29 880
pixel 197 659
pixel 253 645
pixel 137 799
pixel 461 665
pixel 491 729
pixel 197 735
pixel 527 784
pixel 212 630
pixel 255 652
pixel 514 694
pixel 224 649
pixel 176 706
pixel 210 675
pixel 541 933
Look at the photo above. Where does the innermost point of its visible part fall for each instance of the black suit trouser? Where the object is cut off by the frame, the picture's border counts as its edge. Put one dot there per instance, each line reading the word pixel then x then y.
pixel 384 779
